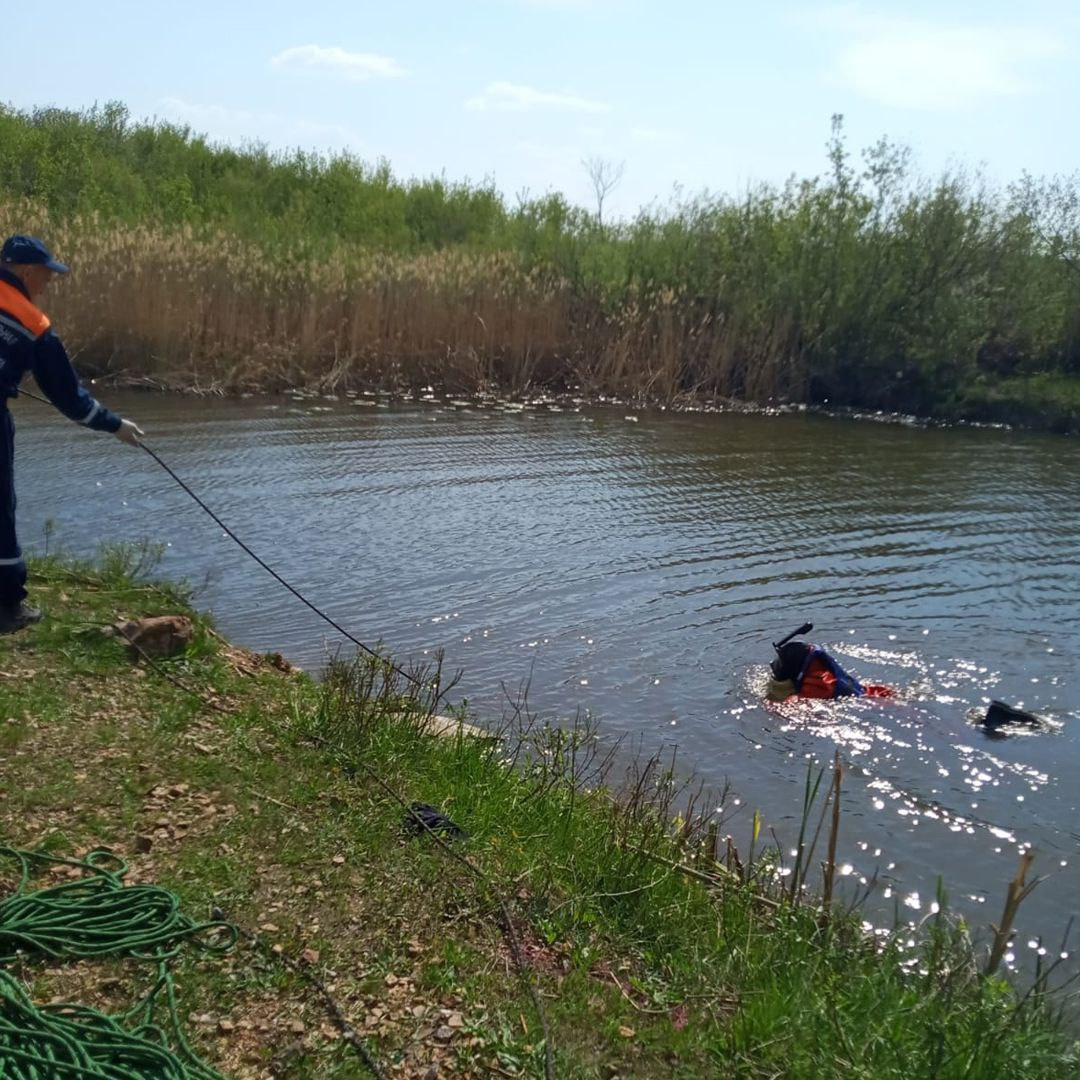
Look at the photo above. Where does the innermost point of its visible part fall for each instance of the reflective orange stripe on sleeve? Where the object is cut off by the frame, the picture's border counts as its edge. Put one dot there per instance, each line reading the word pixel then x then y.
pixel 14 303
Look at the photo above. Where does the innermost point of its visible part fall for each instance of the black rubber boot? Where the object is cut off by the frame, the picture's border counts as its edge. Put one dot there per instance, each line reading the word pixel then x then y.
pixel 13 619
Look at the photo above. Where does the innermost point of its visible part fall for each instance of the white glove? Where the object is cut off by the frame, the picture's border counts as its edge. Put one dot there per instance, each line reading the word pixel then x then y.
pixel 129 432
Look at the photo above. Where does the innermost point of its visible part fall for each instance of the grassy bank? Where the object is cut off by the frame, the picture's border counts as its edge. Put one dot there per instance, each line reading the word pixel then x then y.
pixel 866 286
pixel 256 790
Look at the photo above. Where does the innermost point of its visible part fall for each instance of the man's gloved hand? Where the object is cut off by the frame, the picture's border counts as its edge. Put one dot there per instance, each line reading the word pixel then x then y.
pixel 129 432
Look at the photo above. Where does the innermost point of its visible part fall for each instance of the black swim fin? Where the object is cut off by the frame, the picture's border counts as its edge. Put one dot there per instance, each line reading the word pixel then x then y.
pixel 999 714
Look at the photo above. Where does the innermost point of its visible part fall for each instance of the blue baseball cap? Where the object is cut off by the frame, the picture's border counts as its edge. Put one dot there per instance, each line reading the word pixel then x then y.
pixel 29 251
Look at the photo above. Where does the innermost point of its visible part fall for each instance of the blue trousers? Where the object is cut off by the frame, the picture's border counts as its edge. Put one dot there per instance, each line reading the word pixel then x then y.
pixel 12 567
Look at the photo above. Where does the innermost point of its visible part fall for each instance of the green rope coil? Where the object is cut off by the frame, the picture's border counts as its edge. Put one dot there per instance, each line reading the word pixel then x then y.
pixel 92 917
pixel 98 915
pixel 69 1042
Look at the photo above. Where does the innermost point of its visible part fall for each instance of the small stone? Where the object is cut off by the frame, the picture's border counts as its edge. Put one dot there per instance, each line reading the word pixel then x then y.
pixel 226 1027
pixel 338 860
pixel 627 1032
pixel 310 956
pixel 297 1027
pixel 269 928
pixel 444 1033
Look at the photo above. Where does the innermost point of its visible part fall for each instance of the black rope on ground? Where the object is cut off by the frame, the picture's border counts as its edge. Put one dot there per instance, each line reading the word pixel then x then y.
pixel 205 699
pixel 348 1033
pixel 524 969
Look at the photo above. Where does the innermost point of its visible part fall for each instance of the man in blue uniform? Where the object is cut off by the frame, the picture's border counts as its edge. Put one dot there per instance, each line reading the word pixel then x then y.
pixel 28 344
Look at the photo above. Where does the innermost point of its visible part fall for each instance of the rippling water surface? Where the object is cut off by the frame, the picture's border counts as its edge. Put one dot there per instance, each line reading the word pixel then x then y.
pixel 638 566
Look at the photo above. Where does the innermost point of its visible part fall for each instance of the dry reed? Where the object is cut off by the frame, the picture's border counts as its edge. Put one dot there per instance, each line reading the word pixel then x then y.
pixel 208 312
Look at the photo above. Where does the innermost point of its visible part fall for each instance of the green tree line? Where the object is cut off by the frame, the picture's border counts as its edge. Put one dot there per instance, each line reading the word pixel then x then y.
pixel 867 285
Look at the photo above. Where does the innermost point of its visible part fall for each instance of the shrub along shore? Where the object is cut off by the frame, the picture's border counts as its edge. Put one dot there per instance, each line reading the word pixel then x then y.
pixel 651 946
pixel 868 286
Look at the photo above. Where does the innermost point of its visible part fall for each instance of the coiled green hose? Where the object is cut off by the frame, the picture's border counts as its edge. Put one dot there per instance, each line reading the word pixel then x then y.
pixel 92 917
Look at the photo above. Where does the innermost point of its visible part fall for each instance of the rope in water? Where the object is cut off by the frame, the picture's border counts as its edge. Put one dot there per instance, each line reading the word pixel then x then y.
pixel 266 566
pixel 92 917
pixel 523 967
pixel 277 577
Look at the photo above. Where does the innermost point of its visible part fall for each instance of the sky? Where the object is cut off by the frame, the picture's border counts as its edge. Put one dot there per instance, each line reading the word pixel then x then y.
pixel 685 95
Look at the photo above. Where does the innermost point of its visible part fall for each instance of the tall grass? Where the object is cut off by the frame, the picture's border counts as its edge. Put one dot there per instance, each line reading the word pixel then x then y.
pixel 782 982
pixel 866 286
pixel 659 949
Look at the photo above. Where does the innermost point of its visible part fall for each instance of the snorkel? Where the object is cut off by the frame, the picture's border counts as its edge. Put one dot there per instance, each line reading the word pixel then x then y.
pixel 789 661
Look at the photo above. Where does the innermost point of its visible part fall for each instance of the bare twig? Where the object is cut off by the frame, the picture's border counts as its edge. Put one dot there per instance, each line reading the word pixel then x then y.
pixel 348 1032
pixel 830 862
pixel 1019 889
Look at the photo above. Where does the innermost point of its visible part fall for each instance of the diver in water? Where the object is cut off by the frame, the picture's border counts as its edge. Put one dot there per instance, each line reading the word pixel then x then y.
pixel 808 671
pixel 803 670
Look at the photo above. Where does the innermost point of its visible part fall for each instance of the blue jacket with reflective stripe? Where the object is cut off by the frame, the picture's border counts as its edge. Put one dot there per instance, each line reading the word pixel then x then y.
pixel 23 349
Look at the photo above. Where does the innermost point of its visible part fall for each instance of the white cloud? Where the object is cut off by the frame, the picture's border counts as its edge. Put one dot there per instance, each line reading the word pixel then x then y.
pixel 924 65
pixel 512 97
pixel 338 62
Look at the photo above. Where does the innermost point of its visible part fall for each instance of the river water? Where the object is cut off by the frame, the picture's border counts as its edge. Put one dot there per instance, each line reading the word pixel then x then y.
pixel 637 565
